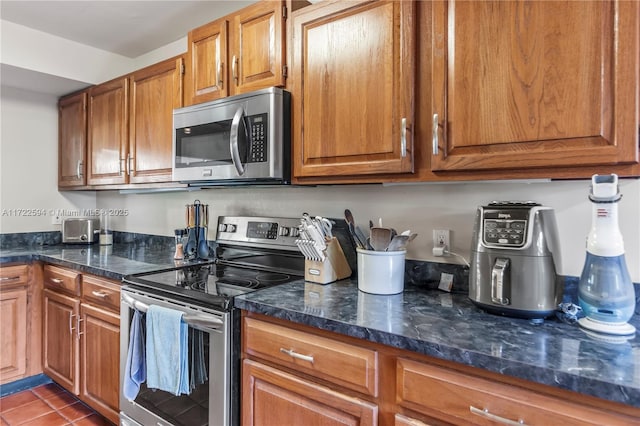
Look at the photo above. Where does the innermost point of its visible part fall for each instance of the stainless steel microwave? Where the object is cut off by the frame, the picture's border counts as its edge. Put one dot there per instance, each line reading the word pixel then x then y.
pixel 239 140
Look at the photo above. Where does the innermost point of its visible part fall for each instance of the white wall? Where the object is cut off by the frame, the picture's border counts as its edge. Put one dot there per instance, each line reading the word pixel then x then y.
pixel 28 163
pixel 417 207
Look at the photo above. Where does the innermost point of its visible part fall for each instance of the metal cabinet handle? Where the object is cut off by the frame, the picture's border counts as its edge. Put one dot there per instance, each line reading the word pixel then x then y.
pixel 71 324
pixel 234 70
pixel 130 167
pixel 435 135
pixel 9 278
pixel 56 280
pixel 101 294
pixel 403 137
pixel 78 332
pixel 486 414
pixel 79 169
pixel 219 73
pixel 294 354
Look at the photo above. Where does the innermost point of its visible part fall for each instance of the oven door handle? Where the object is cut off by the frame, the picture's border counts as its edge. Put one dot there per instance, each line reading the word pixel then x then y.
pixel 191 319
pixel 234 139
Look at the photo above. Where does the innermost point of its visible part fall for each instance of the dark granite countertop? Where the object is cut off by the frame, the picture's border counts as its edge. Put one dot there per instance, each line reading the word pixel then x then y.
pixel 450 327
pixel 112 262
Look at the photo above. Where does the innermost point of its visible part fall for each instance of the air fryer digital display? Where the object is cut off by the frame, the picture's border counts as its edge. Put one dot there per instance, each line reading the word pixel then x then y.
pixel 505 227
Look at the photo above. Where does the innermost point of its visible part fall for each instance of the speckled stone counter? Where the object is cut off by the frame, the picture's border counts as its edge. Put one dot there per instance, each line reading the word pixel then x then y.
pixel 450 327
pixel 112 262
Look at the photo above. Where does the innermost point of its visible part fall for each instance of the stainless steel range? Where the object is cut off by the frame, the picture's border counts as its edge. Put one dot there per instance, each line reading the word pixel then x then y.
pixel 252 253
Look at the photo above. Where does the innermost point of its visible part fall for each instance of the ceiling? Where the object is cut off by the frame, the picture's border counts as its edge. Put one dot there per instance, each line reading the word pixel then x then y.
pixel 128 28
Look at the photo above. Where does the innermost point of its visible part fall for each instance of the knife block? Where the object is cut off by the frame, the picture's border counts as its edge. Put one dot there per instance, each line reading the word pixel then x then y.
pixel 334 267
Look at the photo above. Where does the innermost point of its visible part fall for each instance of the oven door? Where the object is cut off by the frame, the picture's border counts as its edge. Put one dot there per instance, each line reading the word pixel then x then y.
pixel 210 402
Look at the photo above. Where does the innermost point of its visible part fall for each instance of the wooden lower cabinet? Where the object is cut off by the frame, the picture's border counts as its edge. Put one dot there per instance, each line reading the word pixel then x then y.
pixel 20 330
pixel 414 390
pixel 274 397
pixel 82 337
pixel 61 347
pixel 13 335
pixel 99 359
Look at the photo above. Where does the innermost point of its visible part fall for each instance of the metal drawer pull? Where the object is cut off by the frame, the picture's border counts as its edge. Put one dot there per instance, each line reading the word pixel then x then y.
pixel 201 320
pixel 79 169
pixel 435 135
pixel 56 280
pixel 485 413
pixel 403 137
pixel 9 278
pixel 101 294
pixel 293 354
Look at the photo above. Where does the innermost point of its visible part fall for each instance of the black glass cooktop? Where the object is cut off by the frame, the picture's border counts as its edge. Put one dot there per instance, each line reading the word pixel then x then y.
pixel 208 284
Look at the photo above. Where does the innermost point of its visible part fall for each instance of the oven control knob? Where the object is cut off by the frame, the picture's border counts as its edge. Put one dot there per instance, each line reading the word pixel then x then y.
pixel 284 231
pixel 231 228
pixel 293 232
pixel 222 227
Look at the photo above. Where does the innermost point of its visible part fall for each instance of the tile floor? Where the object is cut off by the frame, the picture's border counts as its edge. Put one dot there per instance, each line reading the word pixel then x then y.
pixel 47 405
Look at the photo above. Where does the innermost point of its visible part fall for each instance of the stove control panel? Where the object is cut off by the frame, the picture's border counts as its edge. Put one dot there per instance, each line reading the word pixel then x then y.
pixel 270 232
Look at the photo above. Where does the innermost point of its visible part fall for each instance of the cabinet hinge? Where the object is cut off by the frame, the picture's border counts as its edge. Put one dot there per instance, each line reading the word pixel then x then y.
pixel 285 71
pixel 182 69
pixel 284 12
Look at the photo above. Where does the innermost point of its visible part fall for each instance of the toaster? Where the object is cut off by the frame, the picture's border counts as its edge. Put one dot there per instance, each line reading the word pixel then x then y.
pixel 80 230
pixel 515 259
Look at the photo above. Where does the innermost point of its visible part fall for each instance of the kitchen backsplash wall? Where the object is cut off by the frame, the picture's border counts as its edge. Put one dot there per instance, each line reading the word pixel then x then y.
pixel 29 195
pixel 420 208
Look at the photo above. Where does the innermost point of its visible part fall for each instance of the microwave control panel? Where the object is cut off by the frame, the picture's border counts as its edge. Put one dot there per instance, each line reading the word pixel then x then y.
pixel 258 133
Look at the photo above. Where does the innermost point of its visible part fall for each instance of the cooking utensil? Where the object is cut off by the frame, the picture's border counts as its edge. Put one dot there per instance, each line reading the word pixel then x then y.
pixel 352 228
pixel 380 238
pixel 399 242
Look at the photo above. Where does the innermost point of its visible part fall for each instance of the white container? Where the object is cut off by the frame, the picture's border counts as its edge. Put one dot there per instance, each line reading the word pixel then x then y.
pixel 381 272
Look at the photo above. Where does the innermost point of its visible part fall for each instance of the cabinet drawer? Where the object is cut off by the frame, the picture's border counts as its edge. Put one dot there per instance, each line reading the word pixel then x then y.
pixel 461 399
pixel 101 292
pixel 17 275
pixel 62 279
pixel 347 365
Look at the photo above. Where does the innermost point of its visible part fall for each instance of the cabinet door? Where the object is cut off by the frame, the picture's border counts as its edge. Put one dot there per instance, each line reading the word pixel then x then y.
pixel 72 140
pixel 273 397
pixel 155 92
pixel 61 349
pixel 206 65
pixel 535 84
pixel 100 355
pixel 353 82
pixel 13 334
pixel 257 48
pixel 108 133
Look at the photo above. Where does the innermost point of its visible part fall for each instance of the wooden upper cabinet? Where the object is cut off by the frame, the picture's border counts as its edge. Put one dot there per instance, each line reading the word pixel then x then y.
pixel 535 84
pixel 72 140
pixel 238 53
pixel 257 48
pixel 353 82
pixel 108 133
pixel 206 65
pixel 155 92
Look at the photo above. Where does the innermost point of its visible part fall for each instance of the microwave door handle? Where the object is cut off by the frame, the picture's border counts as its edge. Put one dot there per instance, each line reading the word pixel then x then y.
pixel 233 141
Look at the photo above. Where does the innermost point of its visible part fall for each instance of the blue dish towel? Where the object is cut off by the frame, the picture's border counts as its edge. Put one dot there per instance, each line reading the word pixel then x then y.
pixel 135 370
pixel 167 350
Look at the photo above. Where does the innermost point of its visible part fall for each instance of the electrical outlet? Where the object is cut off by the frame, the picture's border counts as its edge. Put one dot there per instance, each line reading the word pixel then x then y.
pixel 441 238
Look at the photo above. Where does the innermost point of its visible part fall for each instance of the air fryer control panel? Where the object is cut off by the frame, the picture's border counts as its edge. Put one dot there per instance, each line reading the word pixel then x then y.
pixel 505 223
